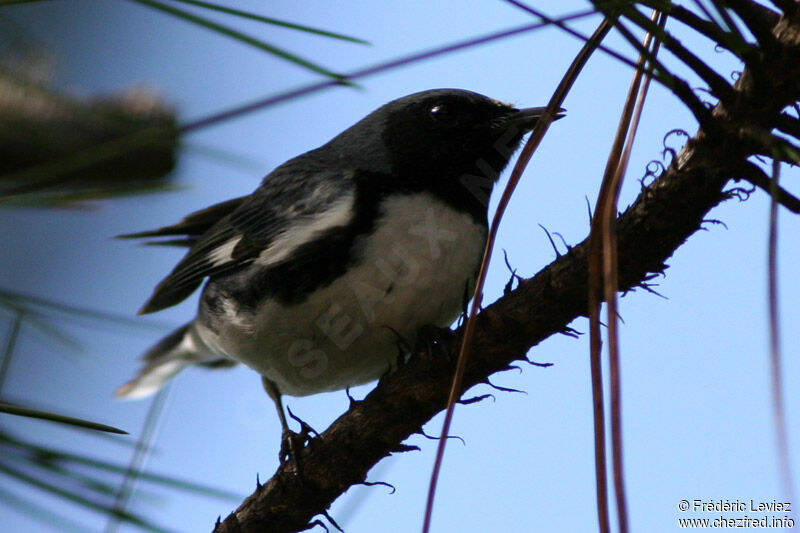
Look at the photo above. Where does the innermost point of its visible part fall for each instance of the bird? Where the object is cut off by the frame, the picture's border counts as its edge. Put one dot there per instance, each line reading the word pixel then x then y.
pixel 342 254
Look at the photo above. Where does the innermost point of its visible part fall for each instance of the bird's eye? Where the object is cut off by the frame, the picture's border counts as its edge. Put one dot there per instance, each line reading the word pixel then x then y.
pixel 443 113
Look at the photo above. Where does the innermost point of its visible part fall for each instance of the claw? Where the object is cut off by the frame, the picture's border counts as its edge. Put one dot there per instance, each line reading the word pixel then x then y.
pixel 306 431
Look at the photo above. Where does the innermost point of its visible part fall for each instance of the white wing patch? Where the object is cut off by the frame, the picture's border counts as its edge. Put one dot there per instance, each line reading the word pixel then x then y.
pixel 224 252
pixel 305 230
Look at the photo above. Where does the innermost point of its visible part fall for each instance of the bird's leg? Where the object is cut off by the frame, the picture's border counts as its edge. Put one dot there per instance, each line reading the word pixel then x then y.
pixel 291 442
pixel 288 437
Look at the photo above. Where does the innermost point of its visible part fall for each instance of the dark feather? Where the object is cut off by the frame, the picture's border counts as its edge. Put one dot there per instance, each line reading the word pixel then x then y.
pixel 286 199
pixel 185 242
pixel 192 225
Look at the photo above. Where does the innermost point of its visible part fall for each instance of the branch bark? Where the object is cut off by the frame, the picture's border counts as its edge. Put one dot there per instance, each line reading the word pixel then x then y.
pixel 666 213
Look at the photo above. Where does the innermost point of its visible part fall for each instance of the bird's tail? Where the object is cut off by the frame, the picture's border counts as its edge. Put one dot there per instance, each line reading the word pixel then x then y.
pixel 172 354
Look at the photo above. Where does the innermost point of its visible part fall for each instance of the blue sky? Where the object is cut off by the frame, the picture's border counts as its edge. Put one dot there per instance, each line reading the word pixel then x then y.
pixel 697 411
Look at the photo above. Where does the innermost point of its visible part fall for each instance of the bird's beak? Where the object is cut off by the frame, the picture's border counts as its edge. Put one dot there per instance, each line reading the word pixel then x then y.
pixel 527 118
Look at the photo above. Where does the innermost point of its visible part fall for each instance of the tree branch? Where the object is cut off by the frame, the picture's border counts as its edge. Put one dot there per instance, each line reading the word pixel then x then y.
pixel 665 214
pixel 55 145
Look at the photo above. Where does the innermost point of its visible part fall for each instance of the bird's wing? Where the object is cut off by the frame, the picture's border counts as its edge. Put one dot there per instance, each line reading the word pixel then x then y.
pixel 287 211
pixel 189 228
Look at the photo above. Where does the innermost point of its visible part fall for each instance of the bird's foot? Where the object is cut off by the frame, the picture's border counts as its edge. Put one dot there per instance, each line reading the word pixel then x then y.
pixel 437 342
pixel 293 442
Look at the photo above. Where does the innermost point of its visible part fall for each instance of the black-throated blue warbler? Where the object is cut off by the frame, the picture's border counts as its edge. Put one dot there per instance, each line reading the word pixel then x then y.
pixel 343 253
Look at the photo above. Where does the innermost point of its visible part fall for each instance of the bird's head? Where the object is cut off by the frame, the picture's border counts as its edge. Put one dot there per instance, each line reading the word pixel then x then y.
pixel 441 138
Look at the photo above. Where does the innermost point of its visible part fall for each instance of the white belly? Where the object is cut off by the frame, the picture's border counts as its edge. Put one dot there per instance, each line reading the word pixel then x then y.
pixel 349 332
